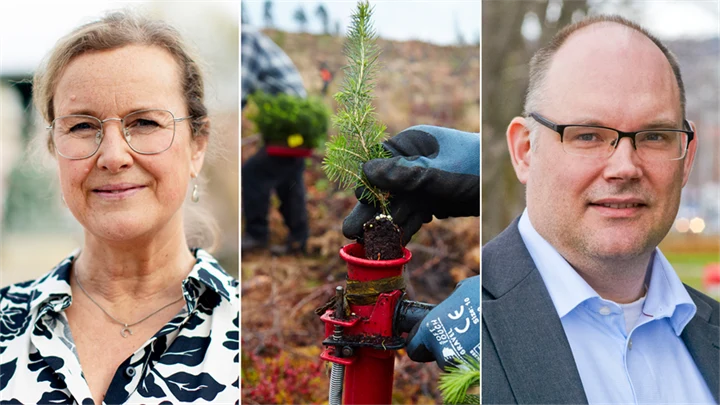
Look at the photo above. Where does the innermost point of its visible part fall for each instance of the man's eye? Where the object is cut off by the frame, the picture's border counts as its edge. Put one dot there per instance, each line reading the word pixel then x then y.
pixel 587 137
pixel 656 136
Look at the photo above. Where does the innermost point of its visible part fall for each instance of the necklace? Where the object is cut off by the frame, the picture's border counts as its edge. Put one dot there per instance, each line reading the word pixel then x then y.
pixel 125 331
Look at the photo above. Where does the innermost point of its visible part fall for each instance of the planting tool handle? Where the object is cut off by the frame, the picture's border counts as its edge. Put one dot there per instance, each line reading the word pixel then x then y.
pixel 408 314
pixel 329 318
pixel 328 354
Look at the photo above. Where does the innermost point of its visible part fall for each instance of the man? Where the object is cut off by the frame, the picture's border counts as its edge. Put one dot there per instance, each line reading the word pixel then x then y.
pixel 265 67
pixel 579 305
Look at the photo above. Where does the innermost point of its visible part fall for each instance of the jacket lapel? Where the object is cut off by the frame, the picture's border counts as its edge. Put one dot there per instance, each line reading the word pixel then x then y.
pixel 704 349
pixel 524 326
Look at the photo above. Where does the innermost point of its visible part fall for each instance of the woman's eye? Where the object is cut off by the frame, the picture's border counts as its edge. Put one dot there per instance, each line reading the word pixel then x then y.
pixel 145 123
pixel 83 126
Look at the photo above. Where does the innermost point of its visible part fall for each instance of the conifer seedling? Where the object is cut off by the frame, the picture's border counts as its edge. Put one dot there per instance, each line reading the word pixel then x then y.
pixel 457 382
pixel 359 135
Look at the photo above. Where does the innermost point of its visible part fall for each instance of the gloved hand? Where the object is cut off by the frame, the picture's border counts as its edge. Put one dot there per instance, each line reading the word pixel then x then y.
pixel 433 171
pixel 451 330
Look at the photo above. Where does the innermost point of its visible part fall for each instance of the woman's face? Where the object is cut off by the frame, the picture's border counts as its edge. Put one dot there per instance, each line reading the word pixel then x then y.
pixel 118 194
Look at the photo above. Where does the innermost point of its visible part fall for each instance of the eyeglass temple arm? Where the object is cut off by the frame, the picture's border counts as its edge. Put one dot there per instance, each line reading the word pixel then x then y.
pixel 545 122
pixel 560 129
pixel 690 131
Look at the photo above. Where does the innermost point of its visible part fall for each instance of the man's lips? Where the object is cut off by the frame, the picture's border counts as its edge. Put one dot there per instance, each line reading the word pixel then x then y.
pixel 618 207
pixel 609 205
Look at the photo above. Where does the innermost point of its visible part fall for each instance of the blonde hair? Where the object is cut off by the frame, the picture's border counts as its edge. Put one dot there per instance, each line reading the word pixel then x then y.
pixel 116 30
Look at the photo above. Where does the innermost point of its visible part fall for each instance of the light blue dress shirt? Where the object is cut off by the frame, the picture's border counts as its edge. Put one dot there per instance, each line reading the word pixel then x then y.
pixel 649 365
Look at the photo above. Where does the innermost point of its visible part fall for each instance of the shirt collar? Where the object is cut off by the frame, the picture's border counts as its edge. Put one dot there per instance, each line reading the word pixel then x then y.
pixel 666 296
pixel 54 287
pixel 567 289
pixel 208 272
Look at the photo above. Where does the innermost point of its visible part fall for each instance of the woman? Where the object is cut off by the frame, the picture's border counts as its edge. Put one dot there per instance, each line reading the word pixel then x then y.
pixel 136 315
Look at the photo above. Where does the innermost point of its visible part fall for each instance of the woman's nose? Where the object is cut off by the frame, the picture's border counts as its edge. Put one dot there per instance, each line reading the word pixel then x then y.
pixel 114 154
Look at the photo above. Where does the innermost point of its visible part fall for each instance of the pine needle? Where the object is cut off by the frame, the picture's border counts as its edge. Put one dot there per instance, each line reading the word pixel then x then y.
pixel 457 381
pixel 359 134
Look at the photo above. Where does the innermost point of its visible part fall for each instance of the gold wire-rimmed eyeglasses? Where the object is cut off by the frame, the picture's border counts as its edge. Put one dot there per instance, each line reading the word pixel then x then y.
pixel 147 132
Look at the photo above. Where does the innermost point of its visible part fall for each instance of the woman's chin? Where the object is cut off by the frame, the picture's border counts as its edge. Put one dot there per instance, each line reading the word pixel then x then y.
pixel 131 222
pixel 125 229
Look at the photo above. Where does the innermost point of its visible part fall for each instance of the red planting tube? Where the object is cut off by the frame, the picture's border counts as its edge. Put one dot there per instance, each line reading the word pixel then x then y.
pixel 369 371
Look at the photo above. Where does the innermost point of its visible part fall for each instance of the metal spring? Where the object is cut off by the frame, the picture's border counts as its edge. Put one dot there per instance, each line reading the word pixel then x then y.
pixel 337 376
pixel 337 373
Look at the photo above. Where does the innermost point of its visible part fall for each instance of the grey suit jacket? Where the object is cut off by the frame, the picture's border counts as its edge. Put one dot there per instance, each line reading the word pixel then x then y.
pixel 526 357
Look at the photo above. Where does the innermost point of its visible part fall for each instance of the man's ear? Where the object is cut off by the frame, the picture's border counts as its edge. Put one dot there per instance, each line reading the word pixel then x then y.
pixel 690 155
pixel 518 139
pixel 199 146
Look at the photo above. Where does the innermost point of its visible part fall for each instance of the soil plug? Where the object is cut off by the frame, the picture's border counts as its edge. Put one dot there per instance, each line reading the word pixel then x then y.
pixel 383 239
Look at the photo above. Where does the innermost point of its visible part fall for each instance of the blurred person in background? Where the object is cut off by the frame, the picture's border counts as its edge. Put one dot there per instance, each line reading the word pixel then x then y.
pixel 433 172
pixel 266 68
pixel 141 312
pixel 579 304
pixel 326 76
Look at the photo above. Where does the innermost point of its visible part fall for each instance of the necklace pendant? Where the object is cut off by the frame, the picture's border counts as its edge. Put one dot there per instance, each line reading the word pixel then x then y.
pixel 125 329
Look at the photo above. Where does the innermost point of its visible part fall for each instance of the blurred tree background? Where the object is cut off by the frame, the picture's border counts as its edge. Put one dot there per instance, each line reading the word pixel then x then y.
pixel 507 47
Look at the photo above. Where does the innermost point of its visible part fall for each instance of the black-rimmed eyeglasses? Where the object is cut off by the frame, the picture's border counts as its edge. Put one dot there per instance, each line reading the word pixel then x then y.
pixel 147 132
pixel 600 142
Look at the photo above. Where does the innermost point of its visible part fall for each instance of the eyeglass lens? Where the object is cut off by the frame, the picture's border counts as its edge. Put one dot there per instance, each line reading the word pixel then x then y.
pixel 600 142
pixel 79 136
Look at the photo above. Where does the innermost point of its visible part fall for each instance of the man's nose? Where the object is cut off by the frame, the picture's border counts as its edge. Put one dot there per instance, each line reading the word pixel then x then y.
pixel 114 153
pixel 624 163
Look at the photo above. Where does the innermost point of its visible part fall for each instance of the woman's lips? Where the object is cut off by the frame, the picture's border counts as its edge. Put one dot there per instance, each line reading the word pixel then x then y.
pixel 117 191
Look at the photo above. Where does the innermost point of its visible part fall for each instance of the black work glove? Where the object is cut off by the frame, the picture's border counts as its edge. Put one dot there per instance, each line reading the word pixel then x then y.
pixel 451 330
pixel 434 171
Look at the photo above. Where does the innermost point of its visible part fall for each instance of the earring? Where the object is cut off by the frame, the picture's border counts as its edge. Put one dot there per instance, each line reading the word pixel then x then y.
pixel 195 194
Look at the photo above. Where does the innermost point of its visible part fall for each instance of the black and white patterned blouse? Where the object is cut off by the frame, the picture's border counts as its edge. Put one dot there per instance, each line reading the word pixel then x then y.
pixel 193 358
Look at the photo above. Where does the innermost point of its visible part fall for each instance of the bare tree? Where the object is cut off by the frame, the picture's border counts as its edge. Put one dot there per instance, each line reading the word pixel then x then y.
pixel 244 17
pixel 459 37
pixel 322 14
pixel 300 17
pixel 268 15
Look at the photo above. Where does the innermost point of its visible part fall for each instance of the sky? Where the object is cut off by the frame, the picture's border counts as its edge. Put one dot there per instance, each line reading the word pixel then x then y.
pixel 29 29
pixel 428 21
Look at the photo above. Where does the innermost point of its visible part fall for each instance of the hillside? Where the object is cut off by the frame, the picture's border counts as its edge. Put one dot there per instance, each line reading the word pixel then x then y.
pixel 419 83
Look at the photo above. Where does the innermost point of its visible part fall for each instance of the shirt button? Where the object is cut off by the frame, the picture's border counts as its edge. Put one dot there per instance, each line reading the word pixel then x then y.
pixel 604 311
pixel 130 372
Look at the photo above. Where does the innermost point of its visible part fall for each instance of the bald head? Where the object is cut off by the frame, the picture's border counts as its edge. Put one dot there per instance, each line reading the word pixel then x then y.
pixel 610 52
